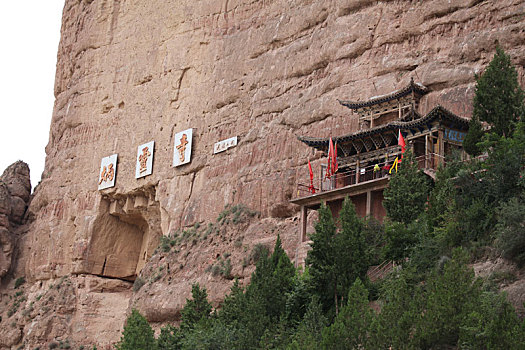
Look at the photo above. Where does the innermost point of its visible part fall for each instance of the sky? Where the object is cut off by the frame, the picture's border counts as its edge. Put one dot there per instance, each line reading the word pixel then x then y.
pixel 29 37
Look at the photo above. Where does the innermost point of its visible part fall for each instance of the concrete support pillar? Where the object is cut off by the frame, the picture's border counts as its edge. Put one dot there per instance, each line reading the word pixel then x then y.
pixel 304 218
pixel 368 203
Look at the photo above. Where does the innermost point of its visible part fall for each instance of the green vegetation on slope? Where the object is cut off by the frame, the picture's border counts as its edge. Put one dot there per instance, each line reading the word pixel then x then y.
pixel 432 300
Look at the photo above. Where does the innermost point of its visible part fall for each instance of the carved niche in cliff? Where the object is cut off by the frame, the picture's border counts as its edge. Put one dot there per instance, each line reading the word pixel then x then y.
pixel 125 234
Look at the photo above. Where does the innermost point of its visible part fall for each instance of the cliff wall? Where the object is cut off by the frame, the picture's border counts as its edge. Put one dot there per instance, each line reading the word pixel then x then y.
pixel 132 71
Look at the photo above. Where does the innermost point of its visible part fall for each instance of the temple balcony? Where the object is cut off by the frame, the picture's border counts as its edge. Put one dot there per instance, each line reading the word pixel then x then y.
pixel 362 185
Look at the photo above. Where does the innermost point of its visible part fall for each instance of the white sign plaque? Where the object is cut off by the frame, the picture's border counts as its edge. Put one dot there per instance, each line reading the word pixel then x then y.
pixel 108 172
pixel 182 148
pixel 223 145
pixel 144 165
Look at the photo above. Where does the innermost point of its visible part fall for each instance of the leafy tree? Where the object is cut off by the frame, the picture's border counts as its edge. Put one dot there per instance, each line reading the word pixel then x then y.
pixel 196 309
pixel 137 334
pixel 407 192
pixel 474 136
pixel 498 98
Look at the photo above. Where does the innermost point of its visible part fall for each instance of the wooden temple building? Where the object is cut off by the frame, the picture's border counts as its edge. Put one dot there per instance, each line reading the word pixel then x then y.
pixel 431 137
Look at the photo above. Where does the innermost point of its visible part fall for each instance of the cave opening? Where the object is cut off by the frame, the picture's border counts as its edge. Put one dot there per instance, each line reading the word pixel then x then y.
pixel 124 235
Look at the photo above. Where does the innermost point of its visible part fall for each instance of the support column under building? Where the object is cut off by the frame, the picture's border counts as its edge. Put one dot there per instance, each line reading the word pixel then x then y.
pixel 368 203
pixel 304 218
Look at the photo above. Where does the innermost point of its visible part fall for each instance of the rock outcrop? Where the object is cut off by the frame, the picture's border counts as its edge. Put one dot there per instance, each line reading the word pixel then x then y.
pixel 15 192
pixel 130 72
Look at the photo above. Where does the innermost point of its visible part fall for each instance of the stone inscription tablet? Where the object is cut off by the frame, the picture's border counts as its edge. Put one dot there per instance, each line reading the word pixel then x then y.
pixel 182 148
pixel 108 172
pixel 144 165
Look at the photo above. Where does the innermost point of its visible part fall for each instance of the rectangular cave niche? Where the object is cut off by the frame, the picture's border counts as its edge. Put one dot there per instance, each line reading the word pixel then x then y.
pixel 124 236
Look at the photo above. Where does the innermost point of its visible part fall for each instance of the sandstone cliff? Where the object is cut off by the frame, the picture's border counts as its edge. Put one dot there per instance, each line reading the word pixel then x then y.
pixel 130 72
pixel 15 191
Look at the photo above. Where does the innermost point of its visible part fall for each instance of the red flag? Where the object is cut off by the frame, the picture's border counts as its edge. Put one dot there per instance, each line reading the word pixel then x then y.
pixel 401 142
pixel 334 161
pixel 312 188
pixel 329 170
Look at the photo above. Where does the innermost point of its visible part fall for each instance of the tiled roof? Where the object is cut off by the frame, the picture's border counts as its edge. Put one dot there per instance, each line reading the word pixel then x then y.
pixel 437 112
pixel 412 87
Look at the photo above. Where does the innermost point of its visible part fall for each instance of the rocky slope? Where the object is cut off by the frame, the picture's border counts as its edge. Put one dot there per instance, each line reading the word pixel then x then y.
pixel 130 72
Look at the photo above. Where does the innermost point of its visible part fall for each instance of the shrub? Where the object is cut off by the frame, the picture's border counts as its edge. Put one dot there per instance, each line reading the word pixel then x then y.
pixel 259 250
pixel 139 282
pixel 20 281
pixel 165 244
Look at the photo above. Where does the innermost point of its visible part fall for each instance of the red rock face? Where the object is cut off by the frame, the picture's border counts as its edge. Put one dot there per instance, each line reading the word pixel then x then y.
pixel 130 72
pixel 15 192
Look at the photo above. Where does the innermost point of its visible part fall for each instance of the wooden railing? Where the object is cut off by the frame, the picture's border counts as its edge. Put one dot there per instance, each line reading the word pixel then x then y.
pixel 356 176
pixel 380 271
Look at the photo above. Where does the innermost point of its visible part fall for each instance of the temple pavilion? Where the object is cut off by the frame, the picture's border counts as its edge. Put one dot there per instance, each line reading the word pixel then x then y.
pixel 365 156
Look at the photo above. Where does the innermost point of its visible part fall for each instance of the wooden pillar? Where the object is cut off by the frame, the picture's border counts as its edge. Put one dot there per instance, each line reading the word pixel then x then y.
pixel 304 218
pixel 441 147
pixel 357 171
pixel 426 151
pixel 368 203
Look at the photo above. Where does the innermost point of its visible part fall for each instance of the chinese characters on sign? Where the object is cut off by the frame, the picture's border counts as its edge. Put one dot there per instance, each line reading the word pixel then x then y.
pixel 144 165
pixel 223 145
pixel 108 172
pixel 182 149
pixel 454 135
pixel 144 158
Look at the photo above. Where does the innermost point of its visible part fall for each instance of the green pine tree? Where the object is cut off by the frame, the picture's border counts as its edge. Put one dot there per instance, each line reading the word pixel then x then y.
pixel 309 332
pixel 350 249
pixel 407 192
pixel 337 258
pixel 169 338
pixel 321 260
pixel 196 309
pixel 498 98
pixel 474 136
pixel 351 326
pixel 137 334
pixel 258 314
